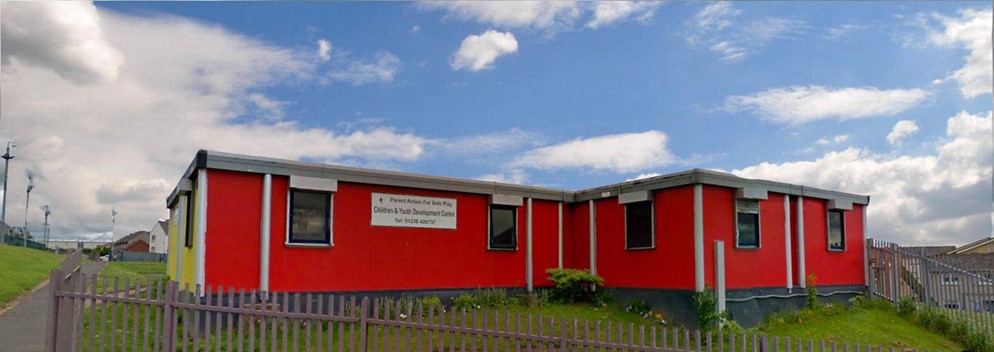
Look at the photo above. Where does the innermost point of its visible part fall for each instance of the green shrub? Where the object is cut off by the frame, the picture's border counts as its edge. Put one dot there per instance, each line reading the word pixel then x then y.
pixel 706 306
pixel 543 297
pixel 573 285
pixel 906 307
pixel 490 298
pixel 812 291
pixel 494 298
pixel 465 301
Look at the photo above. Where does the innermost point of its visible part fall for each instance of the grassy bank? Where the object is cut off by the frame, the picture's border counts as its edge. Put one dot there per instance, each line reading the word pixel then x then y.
pixel 129 271
pixel 873 323
pixel 21 269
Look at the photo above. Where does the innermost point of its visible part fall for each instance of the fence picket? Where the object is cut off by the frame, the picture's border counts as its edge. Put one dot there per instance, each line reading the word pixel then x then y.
pixel 208 301
pixel 229 329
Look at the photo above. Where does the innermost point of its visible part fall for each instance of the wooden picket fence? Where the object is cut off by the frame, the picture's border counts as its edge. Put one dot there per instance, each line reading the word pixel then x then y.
pixel 88 313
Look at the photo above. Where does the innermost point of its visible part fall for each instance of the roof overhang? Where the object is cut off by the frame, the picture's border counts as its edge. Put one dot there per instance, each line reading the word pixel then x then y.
pixel 243 163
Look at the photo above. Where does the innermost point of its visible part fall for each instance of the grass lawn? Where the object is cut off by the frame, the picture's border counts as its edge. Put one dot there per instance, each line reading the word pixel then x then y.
pixel 132 271
pixel 871 324
pixel 21 269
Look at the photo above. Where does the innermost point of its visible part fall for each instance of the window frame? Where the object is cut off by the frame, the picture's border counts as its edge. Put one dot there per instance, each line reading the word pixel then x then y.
pixel 985 279
pixel 490 227
pixel 329 240
pixel 759 227
pixel 828 230
pixel 953 279
pixel 188 221
pixel 652 226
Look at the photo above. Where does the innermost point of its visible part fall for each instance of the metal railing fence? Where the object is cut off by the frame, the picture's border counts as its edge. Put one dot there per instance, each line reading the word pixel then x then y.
pixel 963 292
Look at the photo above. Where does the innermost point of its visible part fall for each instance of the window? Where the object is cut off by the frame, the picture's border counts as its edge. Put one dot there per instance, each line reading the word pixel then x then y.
pixel 986 279
pixel 503 227
pixel 951 305
pixel 310 217
pixel 638 226
pixel 188 239
pixel 950 279
pixel 988 306
pixel 836 231
pixel 747 224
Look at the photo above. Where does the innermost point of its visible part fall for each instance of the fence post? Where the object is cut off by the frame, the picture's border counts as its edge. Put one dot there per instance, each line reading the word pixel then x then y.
pixel 926 284
pixel 53 311
pixel 894 262
pixel 168 314
pixel 363 322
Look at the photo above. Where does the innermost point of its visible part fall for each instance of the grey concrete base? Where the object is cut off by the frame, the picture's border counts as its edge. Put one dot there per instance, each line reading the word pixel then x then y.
pixel 747 307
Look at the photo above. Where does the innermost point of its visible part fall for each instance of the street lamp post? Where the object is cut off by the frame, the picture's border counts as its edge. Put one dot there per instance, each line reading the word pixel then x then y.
pixel 6 166
pixel 113 222
pixel 48 211
pixel 27 203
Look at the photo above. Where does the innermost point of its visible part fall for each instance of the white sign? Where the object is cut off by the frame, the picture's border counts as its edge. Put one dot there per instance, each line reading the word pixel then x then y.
pixel 399 210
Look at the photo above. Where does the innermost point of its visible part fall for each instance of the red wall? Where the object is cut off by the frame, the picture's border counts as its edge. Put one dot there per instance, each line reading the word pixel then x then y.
pixel 545 240
pixel 745 268
pixel 579 239
pixel 233 212
pixel 830 267
pixel 386 258
pixel 670 264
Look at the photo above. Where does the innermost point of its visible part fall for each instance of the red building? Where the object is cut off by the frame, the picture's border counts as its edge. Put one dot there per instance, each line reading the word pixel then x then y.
pixel 277 225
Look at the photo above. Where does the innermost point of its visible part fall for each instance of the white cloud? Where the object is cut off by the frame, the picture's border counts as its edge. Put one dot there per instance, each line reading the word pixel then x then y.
pixel 126 141
pixel 716 16
pixel 971 30
pixel 324 50
pixel 729 52
pixel 717 27
pixel 71 43
pixel 902 129
pixel 491 144
pixel 514 176
pixel 942 197
pixel 381 68
pixel 268 108
pixel 544 15
pixel 843 30
pixel 478 52
pixel 797 105
pixel 608 12
pixel 834 140
pixel 620 153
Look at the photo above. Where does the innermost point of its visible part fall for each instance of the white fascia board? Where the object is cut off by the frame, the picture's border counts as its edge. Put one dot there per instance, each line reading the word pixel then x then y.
pixel 313 183
pixel 633 197
pixel 753 193
pixel 504 199
pixel 839 204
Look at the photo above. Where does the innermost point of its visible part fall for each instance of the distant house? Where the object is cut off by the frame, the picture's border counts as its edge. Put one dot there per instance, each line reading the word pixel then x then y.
pixel 158 240
pixel 135 242
pixel 982 246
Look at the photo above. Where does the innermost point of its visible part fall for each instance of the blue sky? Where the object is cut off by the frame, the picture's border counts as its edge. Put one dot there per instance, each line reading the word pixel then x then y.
pixel 569 95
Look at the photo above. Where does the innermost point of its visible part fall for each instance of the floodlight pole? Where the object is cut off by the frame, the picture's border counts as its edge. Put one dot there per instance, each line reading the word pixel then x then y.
pixel 3 208
pixel 48 211
pixel 27 203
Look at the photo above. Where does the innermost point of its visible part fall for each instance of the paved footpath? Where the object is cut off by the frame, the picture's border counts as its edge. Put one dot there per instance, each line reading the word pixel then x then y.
pixel 22 328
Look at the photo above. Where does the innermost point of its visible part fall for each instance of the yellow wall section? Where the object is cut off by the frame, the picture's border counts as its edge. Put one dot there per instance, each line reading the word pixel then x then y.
pixel 190 253
pixel 174 219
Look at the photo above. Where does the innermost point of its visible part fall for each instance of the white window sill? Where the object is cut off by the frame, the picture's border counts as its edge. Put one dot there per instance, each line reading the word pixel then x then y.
pixel 309 245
